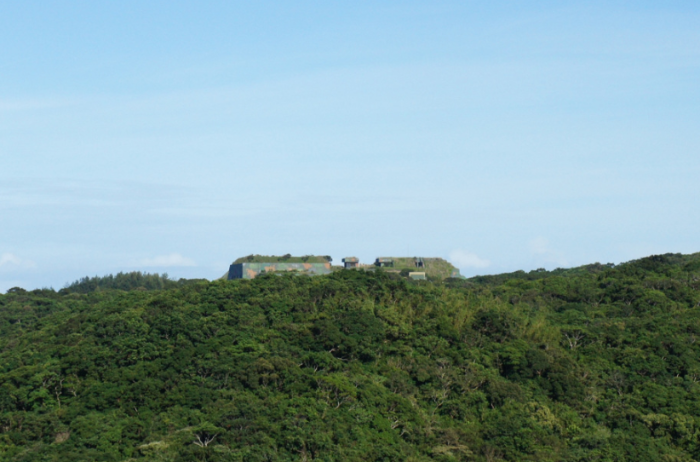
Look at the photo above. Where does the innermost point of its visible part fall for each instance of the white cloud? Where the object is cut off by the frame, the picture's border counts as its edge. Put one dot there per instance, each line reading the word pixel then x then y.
pixel 463 259
pixel 174 259
pixel 12 261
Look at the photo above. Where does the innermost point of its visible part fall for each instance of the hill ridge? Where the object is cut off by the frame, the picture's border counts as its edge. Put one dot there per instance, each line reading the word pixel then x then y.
pixel 602 364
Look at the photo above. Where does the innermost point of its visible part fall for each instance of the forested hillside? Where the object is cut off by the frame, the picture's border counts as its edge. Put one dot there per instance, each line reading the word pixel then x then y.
pixel 600 363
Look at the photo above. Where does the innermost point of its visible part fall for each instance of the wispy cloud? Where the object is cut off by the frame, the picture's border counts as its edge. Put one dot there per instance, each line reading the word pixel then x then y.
pixel 53 192
pixel 167 261
pixel 34 104
pixel 12 261
pixel 540 248
pixel 464 259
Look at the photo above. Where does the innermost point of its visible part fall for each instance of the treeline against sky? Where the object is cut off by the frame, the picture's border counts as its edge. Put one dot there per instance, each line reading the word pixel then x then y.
pixel 124 281
pixel 599 363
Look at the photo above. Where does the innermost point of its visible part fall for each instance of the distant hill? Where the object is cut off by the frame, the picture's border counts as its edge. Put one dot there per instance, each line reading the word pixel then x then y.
pixel 656 262
pixel 597 363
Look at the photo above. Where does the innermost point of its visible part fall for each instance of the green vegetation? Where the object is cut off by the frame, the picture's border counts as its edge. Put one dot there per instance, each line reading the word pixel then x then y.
pixel 600 363
pixel 283 259
pixel 124 281
pixel 538 274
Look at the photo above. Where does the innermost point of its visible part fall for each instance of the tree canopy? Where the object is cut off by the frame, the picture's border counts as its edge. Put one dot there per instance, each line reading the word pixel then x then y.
pixel 597 364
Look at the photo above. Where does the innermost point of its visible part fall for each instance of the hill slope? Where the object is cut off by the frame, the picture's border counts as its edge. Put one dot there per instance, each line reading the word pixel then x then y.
pixel 584 366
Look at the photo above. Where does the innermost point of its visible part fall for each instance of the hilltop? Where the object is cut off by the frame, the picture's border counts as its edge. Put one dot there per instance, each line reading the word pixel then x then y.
pixel 435 269
pixel 283 259
pixel 598 363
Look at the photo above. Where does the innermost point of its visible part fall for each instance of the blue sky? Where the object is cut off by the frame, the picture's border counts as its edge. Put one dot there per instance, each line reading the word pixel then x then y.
pixel 176 136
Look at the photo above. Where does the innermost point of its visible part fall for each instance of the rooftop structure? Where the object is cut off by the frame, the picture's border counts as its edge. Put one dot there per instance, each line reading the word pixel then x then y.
pixel 351 262
pixel 384 262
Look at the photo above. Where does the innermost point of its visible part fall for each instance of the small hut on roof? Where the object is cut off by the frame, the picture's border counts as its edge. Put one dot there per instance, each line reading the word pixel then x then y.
pixel 351 262
pixel 384 262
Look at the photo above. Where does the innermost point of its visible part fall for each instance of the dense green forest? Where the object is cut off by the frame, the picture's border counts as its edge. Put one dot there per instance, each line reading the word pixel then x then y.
pixel 598 363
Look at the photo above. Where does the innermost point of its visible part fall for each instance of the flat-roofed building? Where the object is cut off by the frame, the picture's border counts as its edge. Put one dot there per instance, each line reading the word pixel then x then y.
pixel 253 265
